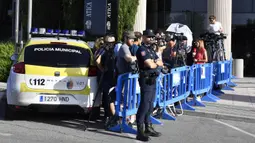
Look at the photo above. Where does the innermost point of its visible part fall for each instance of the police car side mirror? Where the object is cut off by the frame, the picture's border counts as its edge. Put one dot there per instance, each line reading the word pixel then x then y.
pixel 14 57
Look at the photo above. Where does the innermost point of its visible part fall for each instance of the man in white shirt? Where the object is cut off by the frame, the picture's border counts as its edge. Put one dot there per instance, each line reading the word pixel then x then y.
pixel 214 26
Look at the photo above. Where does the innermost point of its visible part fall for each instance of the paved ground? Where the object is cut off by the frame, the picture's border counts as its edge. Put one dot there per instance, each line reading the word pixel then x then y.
pixel 237 105
pixel 243 94
pixel 52 128
pixel 230 120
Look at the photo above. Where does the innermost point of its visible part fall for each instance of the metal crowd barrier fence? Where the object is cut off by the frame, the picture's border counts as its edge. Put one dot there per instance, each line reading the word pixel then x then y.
pixel 173 87
pixel 223 74
pixel 202 84
pixel 128 103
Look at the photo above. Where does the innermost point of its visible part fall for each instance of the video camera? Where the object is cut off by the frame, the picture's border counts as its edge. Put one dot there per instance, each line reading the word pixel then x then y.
pixel 159 40
pixel 175 36
pixel 211 37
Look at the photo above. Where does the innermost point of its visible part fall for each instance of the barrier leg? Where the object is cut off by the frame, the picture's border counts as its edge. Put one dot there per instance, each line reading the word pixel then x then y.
pixel 123 127
pixel 166 115
pixel 155 121
pixel 227 88
pixel 232 84
pixel 233 77
pixel 185 106
pixel 195 102
pixel 209 97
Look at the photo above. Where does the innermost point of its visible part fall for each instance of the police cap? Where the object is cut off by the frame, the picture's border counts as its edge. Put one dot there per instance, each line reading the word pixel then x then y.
pixel 148 33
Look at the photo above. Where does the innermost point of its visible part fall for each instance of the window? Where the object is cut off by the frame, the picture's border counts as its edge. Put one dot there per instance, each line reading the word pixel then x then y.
pixel 56 55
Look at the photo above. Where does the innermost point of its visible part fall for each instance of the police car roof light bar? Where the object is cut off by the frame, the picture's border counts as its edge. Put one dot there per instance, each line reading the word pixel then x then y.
pixel 57 32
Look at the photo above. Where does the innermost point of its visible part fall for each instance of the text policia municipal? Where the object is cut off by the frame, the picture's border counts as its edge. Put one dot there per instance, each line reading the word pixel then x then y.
pixel 57 50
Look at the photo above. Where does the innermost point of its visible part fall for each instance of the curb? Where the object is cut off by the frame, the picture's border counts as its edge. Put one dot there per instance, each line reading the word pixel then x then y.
pixel 219 116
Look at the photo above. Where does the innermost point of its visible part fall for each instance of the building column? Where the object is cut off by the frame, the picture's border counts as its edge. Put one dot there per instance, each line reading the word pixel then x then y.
pixel 222 9
pixel 140 18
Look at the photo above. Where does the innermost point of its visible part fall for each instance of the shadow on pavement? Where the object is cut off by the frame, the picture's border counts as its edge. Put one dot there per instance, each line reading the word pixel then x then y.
pixel 235 97
pixel 67 120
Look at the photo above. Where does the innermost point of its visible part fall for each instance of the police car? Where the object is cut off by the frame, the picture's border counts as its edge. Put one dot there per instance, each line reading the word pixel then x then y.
pixel 53 69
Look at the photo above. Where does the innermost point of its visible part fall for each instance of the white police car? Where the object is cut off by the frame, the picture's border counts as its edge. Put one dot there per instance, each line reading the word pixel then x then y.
pixel 54 70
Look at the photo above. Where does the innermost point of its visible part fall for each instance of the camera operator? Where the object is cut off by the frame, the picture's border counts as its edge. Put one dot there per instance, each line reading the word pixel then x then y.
pixel 125 57
pixel 214 26
pixel 148 63
pixel 160 43
pixel 105 61
pixel 169 53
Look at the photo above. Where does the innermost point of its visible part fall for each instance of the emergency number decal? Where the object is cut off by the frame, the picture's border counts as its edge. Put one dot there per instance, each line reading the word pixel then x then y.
pixel 35 81
pixel 56 83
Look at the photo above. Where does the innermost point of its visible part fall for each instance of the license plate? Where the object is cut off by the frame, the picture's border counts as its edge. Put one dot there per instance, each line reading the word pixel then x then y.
pixel 54 99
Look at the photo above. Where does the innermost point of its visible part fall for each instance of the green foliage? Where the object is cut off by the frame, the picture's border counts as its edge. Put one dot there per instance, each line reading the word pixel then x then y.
pixel 6 50
pixel 127 13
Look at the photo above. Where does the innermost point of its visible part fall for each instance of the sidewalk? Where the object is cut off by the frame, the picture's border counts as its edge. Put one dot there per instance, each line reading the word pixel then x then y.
pixel 238 105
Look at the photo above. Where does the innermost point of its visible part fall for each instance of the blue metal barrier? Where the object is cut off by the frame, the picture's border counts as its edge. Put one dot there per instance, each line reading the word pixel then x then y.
pixel 222 72
pixel 130 101
pixel 171 88
pixel 202 85
pixel 159 99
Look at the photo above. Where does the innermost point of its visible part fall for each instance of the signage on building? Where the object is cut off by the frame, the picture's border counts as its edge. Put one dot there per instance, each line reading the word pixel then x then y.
pixel 100 17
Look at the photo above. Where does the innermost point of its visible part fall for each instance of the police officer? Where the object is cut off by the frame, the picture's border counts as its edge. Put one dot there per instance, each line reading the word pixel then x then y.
pixel 148 63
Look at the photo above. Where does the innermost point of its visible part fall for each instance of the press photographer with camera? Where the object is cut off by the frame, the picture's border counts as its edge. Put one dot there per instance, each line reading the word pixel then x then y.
pixel 160 43
pixel 105 61
pixel 214 26
pixel 148 63
pixel 169 53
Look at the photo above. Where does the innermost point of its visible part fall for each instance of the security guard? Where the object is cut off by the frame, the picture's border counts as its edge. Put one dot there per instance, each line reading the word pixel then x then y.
pixel 148 63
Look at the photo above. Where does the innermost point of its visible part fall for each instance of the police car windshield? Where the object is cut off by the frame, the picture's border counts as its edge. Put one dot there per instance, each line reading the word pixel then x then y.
pixel 57 55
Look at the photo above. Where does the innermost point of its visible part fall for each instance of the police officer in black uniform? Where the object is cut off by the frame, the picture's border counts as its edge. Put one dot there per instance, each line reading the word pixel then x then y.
pixel 148 63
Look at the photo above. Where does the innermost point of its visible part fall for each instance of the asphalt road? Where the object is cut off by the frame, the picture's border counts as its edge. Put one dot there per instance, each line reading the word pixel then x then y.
pixel 66 128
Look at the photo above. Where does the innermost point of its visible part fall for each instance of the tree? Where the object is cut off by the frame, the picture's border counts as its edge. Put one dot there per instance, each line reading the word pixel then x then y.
pixel 127 13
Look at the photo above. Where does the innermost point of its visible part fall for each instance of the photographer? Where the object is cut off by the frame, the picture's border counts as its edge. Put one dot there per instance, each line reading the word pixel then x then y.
pixel 105 62
pixel 169 54
pixel 125 57
pixel 160 43
pixel 214 26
